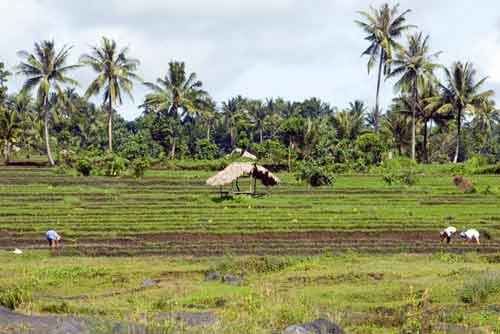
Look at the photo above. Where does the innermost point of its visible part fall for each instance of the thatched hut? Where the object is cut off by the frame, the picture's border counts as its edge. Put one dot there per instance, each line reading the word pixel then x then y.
pixel 236 170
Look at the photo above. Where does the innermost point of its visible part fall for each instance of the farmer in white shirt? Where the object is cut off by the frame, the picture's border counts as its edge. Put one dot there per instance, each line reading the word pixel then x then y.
pixel 53 238
pixel 447 234
pixel 470 236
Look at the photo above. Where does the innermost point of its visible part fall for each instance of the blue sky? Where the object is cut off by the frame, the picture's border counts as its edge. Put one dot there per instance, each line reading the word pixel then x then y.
pixel 258 48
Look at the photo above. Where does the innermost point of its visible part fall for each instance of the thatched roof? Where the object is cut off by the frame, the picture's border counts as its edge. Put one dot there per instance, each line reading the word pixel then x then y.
pixel 236 170
pixel 243 154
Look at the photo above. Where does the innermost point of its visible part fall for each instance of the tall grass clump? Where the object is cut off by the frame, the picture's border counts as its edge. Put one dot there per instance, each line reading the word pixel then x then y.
pixel 477 289
pixel 14 297
pixel 255 264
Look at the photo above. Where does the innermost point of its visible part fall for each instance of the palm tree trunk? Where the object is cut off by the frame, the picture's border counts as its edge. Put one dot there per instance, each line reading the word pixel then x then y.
pixel 426 156
pixel 413 121
pixel 46 131
pixel 261 135
pixel 7 151
pixel 110 125
pixel 377 98
pixel 208 131
pixel 459 133
pixel 172 152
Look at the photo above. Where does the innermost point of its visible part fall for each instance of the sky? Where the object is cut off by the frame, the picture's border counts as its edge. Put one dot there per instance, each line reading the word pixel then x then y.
pixel 293 49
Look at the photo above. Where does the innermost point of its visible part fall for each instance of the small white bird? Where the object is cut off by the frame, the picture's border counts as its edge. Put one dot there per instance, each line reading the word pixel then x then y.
pixel 18 251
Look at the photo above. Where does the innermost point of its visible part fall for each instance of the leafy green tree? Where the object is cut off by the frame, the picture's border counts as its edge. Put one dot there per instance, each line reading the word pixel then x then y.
pixel 10 129
pixel 116 72
pixel 414 65
pixel 46 69
pixel 383 27
pixel 178 95
pixel 460 93
pixel 4 74
pixel 232 111
pixel 350 122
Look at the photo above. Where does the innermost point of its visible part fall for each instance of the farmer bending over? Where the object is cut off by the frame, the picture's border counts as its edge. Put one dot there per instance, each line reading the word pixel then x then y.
pixel 53 238
pixel 470 236
pixel 447 234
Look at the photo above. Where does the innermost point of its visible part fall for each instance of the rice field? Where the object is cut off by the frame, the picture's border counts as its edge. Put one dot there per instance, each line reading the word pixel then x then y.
pixel 175 213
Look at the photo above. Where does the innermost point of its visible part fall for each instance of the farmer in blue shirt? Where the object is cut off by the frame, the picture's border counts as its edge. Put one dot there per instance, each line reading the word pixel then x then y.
pixel 53 238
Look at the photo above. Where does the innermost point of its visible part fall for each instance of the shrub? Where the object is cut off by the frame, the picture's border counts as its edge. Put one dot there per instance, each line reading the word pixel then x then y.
pixel 271 150
pixel 205 150
pixel 114 165
pixel 400 171
pixel 139 166
pixel 83 167
pixel 463 184
pixel 255 264
pixel 12 298
pixel 474 164
pixel 314 174
pixel 371 147
pixel 477 289
pixel 492 169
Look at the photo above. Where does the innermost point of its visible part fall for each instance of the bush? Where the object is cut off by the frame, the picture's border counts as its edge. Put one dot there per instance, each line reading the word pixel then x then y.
pixel 83 167
pixel 400 171
pixel 463 184
pixel 474 164
pixel 139 167
pixel 313 174
pixel 492 169
pixel 114 165
pixel 477 289
pixel 271 150
pixel 372 148
pixel 12 298
pixel 255 264
pixel 205 150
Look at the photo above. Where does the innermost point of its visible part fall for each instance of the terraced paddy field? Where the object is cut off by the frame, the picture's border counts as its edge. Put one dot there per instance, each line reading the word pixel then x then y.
pixel 175 213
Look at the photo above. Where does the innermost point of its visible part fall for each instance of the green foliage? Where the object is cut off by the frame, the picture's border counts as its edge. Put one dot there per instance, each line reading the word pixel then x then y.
pixel 14 297
pixel 84 166
pixel 113 165
pixel 255 264
pixel 139 166
pixel 206 150
pixel 371 147
pixel 134 148
pixel 477 288
pixel 271 150
pixel 400 171
pixel 314 174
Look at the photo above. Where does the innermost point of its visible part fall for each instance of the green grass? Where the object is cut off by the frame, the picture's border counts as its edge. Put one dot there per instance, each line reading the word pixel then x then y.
pixel 151 216
pixel 305 288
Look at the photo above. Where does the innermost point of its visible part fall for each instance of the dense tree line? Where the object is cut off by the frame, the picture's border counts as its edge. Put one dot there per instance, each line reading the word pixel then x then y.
pixel 438 114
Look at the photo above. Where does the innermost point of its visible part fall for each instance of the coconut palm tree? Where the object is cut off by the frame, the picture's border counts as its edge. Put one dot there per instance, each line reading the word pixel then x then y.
pixel 47 70
pixel 414 66
pixel 350 122
pixel 178 95
pixel 460 93
pixel 232 111
pixel 383 27
pixel 10 129
pixel 116 72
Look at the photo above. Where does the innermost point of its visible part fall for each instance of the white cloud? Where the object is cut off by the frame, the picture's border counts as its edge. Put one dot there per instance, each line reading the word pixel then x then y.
pixel 260 48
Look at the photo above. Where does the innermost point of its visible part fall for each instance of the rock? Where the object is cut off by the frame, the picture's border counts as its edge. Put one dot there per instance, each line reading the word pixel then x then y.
pixel 193 319
pixel 494 308
pixel 213 276
pixel 233 279
pixel 148 282
pixel 23 324
pixel 453 329
pixel 220 302
pixel 319 326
